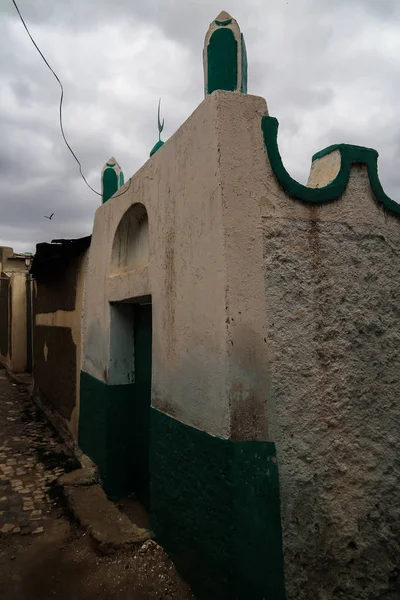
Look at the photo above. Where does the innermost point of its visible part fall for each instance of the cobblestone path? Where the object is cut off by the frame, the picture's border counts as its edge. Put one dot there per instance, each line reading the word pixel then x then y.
pixel 43 553
pixel 31 460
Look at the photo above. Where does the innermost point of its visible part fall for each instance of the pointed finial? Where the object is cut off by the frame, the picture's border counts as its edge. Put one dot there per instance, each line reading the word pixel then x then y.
pixel 224 56
pixel 160 128
pixel 112 178
pixel 223 18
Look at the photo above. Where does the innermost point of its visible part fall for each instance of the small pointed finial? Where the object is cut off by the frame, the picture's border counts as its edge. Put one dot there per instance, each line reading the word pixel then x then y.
pixel 224 56
pixel 112 178
pixel 223 17
pixel 160 125
pixel 160 128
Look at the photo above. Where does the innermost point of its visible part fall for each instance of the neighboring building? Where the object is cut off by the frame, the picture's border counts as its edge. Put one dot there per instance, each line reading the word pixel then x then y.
pixel 59 271
pixel 15 310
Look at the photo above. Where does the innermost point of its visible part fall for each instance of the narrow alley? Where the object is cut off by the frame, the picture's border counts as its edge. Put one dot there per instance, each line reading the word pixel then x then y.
pixel 43 553
pixel 31 460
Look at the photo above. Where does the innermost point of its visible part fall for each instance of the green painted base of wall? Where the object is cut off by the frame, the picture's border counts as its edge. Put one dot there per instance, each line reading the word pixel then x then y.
pixel 113 432
pixel 214 503
pixel 215 508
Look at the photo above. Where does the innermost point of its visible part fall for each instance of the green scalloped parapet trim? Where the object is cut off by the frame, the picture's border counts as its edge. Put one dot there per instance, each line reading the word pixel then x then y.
pixel 223 23
pixel 349 155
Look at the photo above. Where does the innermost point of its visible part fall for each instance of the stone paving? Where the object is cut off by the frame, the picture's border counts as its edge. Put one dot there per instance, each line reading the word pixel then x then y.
pixel 32 458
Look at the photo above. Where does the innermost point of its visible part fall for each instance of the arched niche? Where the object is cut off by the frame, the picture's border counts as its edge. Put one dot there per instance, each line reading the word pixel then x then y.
pixel 131 241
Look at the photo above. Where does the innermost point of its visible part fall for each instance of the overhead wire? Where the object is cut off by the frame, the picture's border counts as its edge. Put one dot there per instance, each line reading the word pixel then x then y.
pixel 61 106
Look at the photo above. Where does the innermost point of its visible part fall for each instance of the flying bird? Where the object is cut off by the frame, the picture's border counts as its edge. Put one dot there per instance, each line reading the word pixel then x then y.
pixel 50 217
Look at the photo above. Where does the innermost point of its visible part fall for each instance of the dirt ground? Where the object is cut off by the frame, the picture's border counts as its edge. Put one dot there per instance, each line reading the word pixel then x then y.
pixel 62 564
pixel 43 553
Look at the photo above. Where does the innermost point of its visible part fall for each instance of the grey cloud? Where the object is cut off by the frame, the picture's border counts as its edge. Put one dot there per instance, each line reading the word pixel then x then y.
pixel 383 9
pixel 324 69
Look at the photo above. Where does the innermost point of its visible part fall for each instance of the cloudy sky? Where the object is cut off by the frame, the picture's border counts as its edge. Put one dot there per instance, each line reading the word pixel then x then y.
pixel 330 71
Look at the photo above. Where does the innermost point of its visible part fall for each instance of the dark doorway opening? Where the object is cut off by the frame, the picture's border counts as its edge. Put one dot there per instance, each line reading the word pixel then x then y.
pixel 129 389
pixel 142 319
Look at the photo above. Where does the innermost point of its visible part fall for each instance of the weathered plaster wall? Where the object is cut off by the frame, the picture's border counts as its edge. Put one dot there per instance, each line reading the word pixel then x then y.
pixel 204 273
pixel 5 318
pixel 332 289
pixel 59 291
pixel 246 362
pixel 324 170
pixel 78 332
pixel 57 339
pixel 19 331
pixel 11 262
pixel 131 241
pixel 180 189
pixel 5 255
pixel 14 353
pixel 55 367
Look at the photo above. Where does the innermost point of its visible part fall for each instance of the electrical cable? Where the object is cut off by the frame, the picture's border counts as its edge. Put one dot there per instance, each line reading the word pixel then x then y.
pixel 61 106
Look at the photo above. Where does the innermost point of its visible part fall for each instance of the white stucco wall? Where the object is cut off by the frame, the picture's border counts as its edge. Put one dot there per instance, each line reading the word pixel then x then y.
pixel 324 169
pixel 208 338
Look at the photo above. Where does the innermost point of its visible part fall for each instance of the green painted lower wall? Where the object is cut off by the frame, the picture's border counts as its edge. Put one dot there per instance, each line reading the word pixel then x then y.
pixel 215 507
pixel 214 503
pixel 113 431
